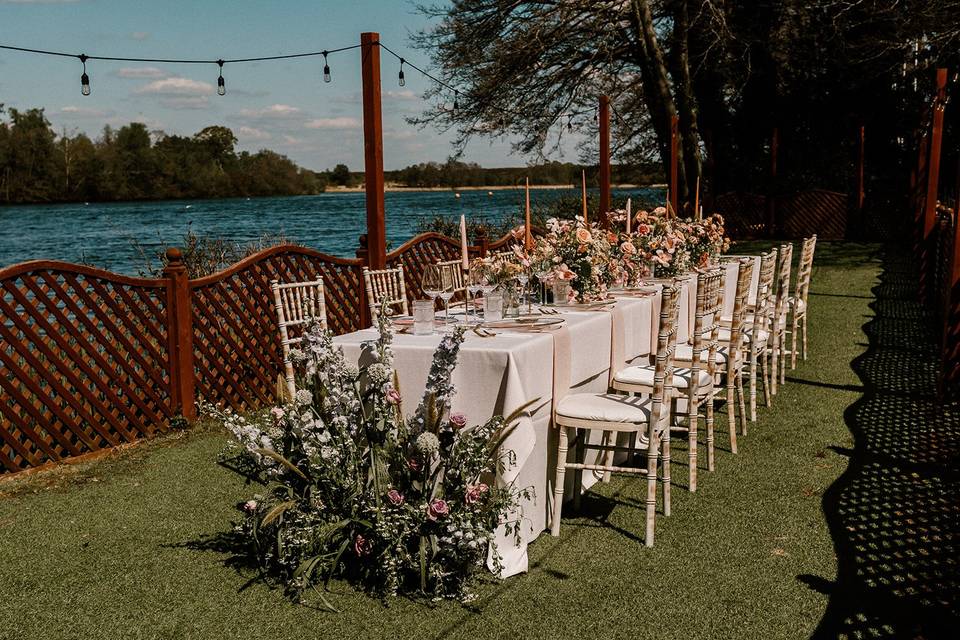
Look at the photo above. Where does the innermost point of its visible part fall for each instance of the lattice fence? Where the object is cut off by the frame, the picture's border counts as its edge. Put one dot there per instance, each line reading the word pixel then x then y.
pixel 236 348
pixel 795 215
pixel 83 362
pixel 415 254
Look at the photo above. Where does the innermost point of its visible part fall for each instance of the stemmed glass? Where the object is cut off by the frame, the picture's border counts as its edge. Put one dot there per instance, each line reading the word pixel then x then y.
pixel 523 279
pixel 431 283
pixel 447 290
pixel 474 286
pixel 541 275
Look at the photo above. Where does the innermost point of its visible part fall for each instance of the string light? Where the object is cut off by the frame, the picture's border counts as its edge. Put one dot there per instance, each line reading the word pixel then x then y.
pixel 569 123
pixel 456 107
pixel 221 84
pixel 326 67
pixel 403 82
pixel 84 78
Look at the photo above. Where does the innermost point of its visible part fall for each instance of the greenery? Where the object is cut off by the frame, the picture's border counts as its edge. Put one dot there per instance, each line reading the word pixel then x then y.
pixel 137 545
pixel 454 173
pixel 133 163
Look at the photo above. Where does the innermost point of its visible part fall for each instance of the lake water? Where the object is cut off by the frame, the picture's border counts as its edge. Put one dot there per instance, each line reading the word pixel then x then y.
pixel 104 234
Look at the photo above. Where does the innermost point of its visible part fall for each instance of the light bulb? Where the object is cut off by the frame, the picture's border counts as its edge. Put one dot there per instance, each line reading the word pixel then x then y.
pixel 402 80
pixel 84 78
pixel 326 68
pixel 221 83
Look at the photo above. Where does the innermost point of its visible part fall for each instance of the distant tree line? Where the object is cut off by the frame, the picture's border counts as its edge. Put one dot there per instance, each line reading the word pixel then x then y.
pixel 454 173
pixel 132 163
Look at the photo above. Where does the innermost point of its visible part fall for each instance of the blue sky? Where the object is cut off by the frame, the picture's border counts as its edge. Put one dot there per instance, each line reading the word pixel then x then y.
pixel 280 105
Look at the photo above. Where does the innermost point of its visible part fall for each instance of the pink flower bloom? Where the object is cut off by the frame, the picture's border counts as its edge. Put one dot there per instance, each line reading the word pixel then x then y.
pixel 458 420
pixel 362 546
pixel 277 414
pixel 475 492
pixel 628 248
pixel 414 464
pixel 583 236
pixel 393 396
pixel 438 509
pixel 250 506
pixel 395 497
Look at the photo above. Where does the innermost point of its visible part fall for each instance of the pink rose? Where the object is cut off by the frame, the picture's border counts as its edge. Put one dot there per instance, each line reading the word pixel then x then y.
pixel 611 237
pixel 250 506
pixel 628 248
pixel 475 492
pixel 393 396
pixel 458 420
pixel 583 236
pixel 437 509
pixel 362 546
pixel 277 414
pixel 395 497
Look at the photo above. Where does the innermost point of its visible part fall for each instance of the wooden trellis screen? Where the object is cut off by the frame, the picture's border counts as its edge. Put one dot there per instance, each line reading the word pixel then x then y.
pixel 91 359
pixel 796 215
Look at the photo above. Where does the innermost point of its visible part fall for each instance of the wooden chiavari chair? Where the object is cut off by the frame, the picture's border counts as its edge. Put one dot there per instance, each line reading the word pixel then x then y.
pixel 798 303
pixel 693 384
pixel 622 413
pixel 777 344
pixel 386 286
pixel 296 304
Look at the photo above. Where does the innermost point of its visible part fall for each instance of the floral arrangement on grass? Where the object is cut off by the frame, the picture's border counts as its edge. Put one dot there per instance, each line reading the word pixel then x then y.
pixel 581 254
pixel 352 488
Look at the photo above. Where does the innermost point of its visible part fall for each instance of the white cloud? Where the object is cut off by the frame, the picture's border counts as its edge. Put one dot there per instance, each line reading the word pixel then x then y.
pixel 140 72
pixel 85 112
pixel 290 140
pixel 140 35
pixel 252 133
pixel 186 102
pixel 274 112
pixel 406 94
pixel 333 123
pixel 176 86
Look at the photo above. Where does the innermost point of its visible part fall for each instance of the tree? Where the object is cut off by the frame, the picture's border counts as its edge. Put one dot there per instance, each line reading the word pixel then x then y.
pixel 340 175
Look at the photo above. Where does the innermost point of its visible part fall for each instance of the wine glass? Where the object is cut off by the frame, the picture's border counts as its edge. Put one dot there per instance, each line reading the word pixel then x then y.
pixel 475 281
pixel 431 282
pixel 523 279
pixel 448 288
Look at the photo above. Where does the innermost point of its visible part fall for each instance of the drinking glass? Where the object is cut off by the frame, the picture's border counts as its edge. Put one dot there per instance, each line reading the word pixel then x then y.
pixel 523 279
pixel 423 314
pixel 561 291
pixel 448 287
pixel 431 282
pixel 493 306
pixel 474 286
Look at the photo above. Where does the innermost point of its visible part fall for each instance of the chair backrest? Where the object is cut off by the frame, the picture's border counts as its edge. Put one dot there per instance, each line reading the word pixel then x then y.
pixel 386 286
pixel 706 325
pixel 805 268
pixel 783 282
pixel 766 294
pixel 738 323
pixel 666 347
pixel 296 304
pixel 456 268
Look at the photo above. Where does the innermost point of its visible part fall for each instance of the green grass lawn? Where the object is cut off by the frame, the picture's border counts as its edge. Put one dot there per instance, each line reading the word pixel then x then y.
pixel 137 545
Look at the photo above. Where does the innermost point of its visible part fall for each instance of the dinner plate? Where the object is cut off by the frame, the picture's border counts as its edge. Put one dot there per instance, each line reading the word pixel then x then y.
pixel 523 323
pixel 584 305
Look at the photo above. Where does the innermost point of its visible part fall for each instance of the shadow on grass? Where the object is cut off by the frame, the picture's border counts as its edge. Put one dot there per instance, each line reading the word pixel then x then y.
pixel 894 514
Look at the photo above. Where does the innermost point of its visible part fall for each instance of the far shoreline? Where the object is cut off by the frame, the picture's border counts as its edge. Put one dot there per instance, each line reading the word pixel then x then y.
pixel 539 187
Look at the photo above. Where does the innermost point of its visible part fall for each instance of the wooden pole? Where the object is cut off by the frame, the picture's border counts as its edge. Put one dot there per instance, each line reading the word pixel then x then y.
pixel 373 151
pixel 180 335
pixel 933 166
pixel 527 232
pixel 604 160
pixel 674 164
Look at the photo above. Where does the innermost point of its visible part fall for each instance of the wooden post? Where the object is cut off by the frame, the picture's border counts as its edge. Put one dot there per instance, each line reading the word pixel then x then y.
pixel 861 158
pixel 772 191
pixel 928 237
pixel 674 164
pixel 604 161
pixel 180 336
pixel 373 151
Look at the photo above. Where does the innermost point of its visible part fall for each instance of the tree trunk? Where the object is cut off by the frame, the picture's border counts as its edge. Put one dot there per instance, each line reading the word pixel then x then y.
pixel 689 134
pixel 656 84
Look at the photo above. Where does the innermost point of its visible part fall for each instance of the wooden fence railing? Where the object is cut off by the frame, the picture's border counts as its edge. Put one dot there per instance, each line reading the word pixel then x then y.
pixel 91 359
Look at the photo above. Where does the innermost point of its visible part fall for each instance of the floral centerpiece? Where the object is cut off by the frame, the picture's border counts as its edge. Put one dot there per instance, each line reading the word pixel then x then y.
pixel 581 254
pixel 706 240
pixel 351 487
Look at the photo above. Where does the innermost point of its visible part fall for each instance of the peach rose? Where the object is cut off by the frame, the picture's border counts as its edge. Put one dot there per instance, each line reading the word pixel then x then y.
pixel 583 236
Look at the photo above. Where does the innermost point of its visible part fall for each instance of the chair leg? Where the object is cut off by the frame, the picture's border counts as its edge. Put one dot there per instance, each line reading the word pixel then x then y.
pixel 774 362
pixel 652 452
pixel 743 409
pixel 710 453
pixel 731 413
pixel 793 342
pixel 665 473
pixel 607 459
pixel 753 383
pixel 580 457
pixel 694 413
pixel 765 376
pixel 783 357
pixel 804 336
pixel 558 482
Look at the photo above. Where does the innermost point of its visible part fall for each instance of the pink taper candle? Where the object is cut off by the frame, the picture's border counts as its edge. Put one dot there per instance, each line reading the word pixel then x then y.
pixel 464 253
pixel 527 231
pixel 629 215
pixel 583 190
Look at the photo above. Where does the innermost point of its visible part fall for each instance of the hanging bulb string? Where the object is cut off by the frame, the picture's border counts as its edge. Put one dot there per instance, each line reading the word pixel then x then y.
pixel 221 83
pixel 307 54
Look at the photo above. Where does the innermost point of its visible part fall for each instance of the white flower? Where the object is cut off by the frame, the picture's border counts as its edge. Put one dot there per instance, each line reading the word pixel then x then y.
pixel 303 397
pixel 379 374
pixel 427 443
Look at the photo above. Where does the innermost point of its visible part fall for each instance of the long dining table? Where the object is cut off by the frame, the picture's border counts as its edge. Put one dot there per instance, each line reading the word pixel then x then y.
pixel 498 373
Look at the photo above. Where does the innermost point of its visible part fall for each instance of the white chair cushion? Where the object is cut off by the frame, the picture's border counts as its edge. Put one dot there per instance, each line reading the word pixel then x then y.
pixel 684 353
pixel 643 375
pixel 606 407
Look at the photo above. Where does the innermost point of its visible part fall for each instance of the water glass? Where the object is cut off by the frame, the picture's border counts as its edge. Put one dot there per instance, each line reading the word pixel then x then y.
pixel 423 314
pixel 493 306
pixel 561 291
